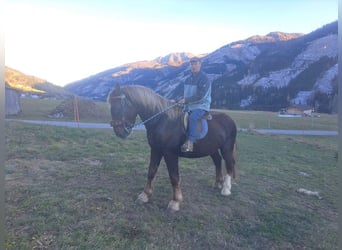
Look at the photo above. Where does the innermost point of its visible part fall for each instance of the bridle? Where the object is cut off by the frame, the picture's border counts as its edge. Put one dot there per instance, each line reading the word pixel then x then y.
pixel 117 123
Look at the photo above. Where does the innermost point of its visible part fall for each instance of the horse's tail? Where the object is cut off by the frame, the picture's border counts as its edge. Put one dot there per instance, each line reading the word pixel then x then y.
pixel 235 160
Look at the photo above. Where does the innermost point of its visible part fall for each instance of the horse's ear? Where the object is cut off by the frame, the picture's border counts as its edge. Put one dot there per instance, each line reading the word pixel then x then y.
pixel 116 88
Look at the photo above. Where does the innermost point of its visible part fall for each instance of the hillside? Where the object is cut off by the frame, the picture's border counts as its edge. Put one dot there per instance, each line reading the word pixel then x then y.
pixel 33 85
pixel 261 73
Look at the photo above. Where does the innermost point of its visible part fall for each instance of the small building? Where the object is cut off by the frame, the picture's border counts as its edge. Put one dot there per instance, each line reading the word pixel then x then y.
pixel 298 109
pixel 12 100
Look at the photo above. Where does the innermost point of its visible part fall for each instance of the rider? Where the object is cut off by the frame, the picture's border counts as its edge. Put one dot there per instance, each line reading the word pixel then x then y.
pixel 196 100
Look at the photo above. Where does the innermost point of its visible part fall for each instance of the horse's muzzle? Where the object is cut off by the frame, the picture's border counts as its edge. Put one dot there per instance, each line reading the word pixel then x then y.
pixel 121 129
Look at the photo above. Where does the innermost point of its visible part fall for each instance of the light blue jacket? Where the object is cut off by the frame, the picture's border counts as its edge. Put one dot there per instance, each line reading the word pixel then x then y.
pixel 197 92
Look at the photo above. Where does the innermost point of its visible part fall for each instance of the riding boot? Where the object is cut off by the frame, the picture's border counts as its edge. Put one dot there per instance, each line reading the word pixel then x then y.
pixel 188 146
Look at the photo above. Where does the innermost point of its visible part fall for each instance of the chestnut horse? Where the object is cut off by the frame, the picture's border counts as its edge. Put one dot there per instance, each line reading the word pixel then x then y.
pixel 163 120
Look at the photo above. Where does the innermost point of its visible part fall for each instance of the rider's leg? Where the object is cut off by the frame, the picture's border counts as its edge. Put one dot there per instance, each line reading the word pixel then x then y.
pixel 195 115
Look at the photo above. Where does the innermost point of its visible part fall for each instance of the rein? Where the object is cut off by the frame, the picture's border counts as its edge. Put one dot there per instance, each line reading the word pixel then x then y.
pixel 156 114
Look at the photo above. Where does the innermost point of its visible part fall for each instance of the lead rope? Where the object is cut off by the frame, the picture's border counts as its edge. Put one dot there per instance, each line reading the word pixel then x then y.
pixel 155 115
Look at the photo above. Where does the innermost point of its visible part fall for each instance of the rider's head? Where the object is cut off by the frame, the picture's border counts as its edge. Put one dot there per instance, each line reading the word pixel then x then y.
pixel 195 64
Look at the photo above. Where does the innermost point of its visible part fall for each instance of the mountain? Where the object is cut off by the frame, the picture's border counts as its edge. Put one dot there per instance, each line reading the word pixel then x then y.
pixel 33 85
pixel 271 37
pixel 147 73
pixel 261 72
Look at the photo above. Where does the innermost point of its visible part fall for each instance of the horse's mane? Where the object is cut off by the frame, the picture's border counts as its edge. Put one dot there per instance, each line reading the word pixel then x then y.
pixel 147 98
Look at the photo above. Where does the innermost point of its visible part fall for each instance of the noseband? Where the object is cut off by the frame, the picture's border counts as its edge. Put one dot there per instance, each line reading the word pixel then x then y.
pixel 122 122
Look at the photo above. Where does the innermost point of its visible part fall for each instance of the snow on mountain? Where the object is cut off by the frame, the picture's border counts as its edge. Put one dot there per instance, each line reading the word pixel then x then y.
pixel 240 52
pixel 302 97
pixel 326 46
pixel 174 59
pixel 277 79
pixel 323 84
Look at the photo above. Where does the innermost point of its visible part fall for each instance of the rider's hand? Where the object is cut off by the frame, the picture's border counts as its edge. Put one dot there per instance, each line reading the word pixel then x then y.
pixel 181 101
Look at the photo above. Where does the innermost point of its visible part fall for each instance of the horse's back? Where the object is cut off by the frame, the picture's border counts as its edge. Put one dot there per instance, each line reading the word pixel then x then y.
pixel 224 119
pixel 222 124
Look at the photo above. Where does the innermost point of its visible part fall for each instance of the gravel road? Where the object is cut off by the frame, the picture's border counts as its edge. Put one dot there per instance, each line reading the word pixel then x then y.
pixel 141 127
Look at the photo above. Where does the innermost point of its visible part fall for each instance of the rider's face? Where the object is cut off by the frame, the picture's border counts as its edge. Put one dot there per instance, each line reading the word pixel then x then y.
pixel 195 66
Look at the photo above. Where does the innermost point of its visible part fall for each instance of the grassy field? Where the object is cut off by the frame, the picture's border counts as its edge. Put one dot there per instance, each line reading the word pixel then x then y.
pixel 39 109
pixel 271 120
pixel 71 188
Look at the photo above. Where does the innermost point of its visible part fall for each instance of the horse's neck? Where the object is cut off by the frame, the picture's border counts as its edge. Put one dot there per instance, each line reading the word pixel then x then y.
pixel 147 109
pixel 145 112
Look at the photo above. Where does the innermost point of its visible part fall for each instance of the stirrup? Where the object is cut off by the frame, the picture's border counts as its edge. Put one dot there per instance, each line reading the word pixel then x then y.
pixel 188 146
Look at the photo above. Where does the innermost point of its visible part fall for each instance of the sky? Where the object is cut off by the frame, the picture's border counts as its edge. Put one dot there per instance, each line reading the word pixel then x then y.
pixel 63 41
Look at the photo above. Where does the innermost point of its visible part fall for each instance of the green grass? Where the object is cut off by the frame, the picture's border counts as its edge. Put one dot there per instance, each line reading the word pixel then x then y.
pixel 270 120
pixel 36 109
pixel 39 109
pixel 75 189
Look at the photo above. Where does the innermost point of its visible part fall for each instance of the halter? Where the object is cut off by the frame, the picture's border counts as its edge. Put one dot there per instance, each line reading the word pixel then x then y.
pixel 122 122
pixel 122 97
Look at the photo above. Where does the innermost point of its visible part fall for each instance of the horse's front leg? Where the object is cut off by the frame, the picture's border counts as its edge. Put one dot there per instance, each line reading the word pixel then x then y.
pixel 155 158
pixel 171 160
pixel 217 159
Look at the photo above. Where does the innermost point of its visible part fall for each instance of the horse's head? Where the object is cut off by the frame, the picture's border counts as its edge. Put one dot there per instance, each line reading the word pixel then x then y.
pixel 123 113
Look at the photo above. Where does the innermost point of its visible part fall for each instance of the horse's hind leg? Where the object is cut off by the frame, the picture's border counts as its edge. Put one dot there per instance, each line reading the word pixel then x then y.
pixel 229 154
pixel 217 159
pixel 155 159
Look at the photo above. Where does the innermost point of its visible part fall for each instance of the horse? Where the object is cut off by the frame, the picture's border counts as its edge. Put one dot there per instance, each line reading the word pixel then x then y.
pixel 163 120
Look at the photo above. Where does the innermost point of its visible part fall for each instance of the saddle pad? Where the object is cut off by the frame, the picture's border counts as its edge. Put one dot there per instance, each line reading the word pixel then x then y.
pixel 203 132
pixel 202 125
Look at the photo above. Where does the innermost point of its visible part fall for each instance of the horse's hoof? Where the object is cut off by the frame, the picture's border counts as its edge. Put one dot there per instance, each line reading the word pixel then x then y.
pixel 174 206
pixel 225 192
pixel 218 185
pixel 142 198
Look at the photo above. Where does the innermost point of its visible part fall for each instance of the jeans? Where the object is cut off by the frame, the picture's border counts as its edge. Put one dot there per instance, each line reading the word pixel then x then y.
pixel 195 115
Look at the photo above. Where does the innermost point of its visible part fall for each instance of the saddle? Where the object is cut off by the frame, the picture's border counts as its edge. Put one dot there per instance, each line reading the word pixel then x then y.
pixel 202 124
